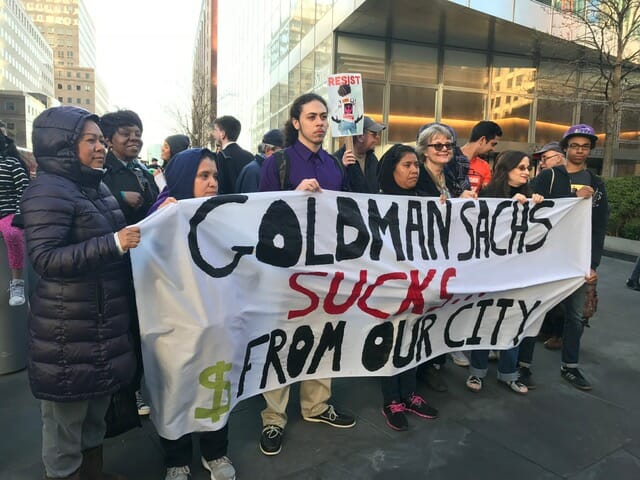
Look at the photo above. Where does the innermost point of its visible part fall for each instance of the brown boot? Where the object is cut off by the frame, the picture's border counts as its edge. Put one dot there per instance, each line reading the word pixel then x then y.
pixel 91 468
pixel 554 343
pixel 73 476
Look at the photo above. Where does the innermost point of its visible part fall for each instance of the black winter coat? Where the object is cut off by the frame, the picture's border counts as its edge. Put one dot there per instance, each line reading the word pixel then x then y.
pixel 122 179
pixel 79 340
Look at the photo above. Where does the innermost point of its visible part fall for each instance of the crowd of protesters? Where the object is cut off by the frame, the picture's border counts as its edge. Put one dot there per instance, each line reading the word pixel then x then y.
pixel 79 215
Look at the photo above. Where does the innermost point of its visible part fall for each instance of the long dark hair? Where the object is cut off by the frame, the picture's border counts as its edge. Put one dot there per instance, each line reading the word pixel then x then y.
pixel 388 163
pixel 499 185
pixel 290 132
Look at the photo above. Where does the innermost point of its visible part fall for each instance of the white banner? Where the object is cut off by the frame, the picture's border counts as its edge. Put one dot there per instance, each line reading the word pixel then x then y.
pixel 239 294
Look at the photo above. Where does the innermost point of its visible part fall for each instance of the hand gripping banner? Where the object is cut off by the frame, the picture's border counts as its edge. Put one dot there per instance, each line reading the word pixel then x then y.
pixel 241 294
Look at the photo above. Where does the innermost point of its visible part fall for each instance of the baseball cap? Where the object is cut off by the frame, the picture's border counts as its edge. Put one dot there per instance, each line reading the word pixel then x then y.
pixel 372 126
pixel 549 147
pixel 580 130
pixel 274 137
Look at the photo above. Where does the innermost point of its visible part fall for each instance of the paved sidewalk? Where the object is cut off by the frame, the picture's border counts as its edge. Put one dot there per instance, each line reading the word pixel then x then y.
pixel 555 432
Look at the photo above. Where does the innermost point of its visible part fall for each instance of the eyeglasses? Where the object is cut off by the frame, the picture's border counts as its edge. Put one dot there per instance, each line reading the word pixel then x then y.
pixel 129 132
pixel 577 146
pixel 440 146
pixel 546 159
pixel 375 134
pixel 522 168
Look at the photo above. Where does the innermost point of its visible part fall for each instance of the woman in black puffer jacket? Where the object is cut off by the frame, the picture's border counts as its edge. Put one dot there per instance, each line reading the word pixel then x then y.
pixel 80 350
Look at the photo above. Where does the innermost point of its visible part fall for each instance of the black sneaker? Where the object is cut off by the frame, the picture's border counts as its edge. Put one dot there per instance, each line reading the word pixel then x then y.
pixel 271 440
pixel 431 376
pixel 633 284
pixel 334 418
pixel 418 406
pixel 575 378
pixel 525 377
pixel 394 414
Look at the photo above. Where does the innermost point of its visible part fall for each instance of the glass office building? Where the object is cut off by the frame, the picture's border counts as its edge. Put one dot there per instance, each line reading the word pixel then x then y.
pixel 452 61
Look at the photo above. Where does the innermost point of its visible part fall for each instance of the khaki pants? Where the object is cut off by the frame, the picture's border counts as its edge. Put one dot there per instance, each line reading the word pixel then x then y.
pixel 313 401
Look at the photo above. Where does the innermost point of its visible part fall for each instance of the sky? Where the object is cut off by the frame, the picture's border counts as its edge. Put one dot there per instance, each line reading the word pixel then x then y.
pixel 144 57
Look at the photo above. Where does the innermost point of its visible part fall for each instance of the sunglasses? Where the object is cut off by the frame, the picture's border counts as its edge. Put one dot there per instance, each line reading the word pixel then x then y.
pixel 440 146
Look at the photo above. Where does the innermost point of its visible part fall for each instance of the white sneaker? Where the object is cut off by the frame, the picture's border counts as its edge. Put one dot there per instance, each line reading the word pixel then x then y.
pixel 16 293
pixel 220 468
pixel 178 473
pixel 143 408
pixel 459 358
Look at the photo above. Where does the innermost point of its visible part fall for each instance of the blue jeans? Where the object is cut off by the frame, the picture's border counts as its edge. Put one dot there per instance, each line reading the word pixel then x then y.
pixel 573 327
pixel 507 365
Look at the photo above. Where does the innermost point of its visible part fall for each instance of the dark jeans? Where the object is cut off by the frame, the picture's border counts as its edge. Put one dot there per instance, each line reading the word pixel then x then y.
pixel 635 275
pixel 553 324
pixel 573 327
pixel 398 388
pixel 178 453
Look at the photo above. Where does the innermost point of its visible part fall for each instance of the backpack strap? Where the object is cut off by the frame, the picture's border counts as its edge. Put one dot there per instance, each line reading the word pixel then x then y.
pixel 282 166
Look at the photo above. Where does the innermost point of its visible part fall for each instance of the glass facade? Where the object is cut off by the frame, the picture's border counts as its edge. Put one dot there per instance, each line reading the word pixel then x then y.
pixel 455 73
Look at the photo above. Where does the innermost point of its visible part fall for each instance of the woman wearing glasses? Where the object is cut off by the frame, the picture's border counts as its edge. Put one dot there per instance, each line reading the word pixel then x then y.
pixel 435 147
pixel 510 180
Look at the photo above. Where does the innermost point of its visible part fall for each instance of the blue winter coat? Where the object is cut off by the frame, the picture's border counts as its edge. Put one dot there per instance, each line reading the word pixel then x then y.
pixel 79 340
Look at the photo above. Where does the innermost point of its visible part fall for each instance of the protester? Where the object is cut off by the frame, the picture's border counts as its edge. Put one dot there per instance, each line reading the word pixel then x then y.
pixel 309 168
pixel 435 148
pixel 171 146
pixel 131 184
pixel 249 178
pixel 575 179
pixel 193 173
pixel 399 171
pixel 456 170
pixel 231 158
pixel 510 180
pixel 13 180
pixel 134 188
pixel 483 140
pixel 361 161
pixel 80 348
pixel 634 279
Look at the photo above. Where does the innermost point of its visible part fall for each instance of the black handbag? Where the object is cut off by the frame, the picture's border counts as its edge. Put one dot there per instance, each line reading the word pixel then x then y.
pixel 122 414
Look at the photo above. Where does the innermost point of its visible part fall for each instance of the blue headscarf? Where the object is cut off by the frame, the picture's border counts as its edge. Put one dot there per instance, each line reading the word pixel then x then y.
pixel 181 172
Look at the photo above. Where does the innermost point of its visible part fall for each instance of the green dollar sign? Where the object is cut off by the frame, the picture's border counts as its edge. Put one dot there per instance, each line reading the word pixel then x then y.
pixel 219 386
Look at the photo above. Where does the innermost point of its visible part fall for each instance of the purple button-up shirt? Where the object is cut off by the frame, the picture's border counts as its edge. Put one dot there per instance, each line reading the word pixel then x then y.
pixel 303 163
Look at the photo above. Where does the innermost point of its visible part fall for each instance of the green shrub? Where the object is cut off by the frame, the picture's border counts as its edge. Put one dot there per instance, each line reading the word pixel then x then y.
pixel 624 200
pixel 631 229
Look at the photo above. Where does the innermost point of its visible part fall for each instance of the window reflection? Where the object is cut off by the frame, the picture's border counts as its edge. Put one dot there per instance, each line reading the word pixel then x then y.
pixel 462 110
pixel 414 64
pixel 465 69
pixel 361 56
pixel 513 75
pixel 511 112
pixel 554 117
pixel 556 79
pixel 594 114
pixel 630 127
pixel 409 109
